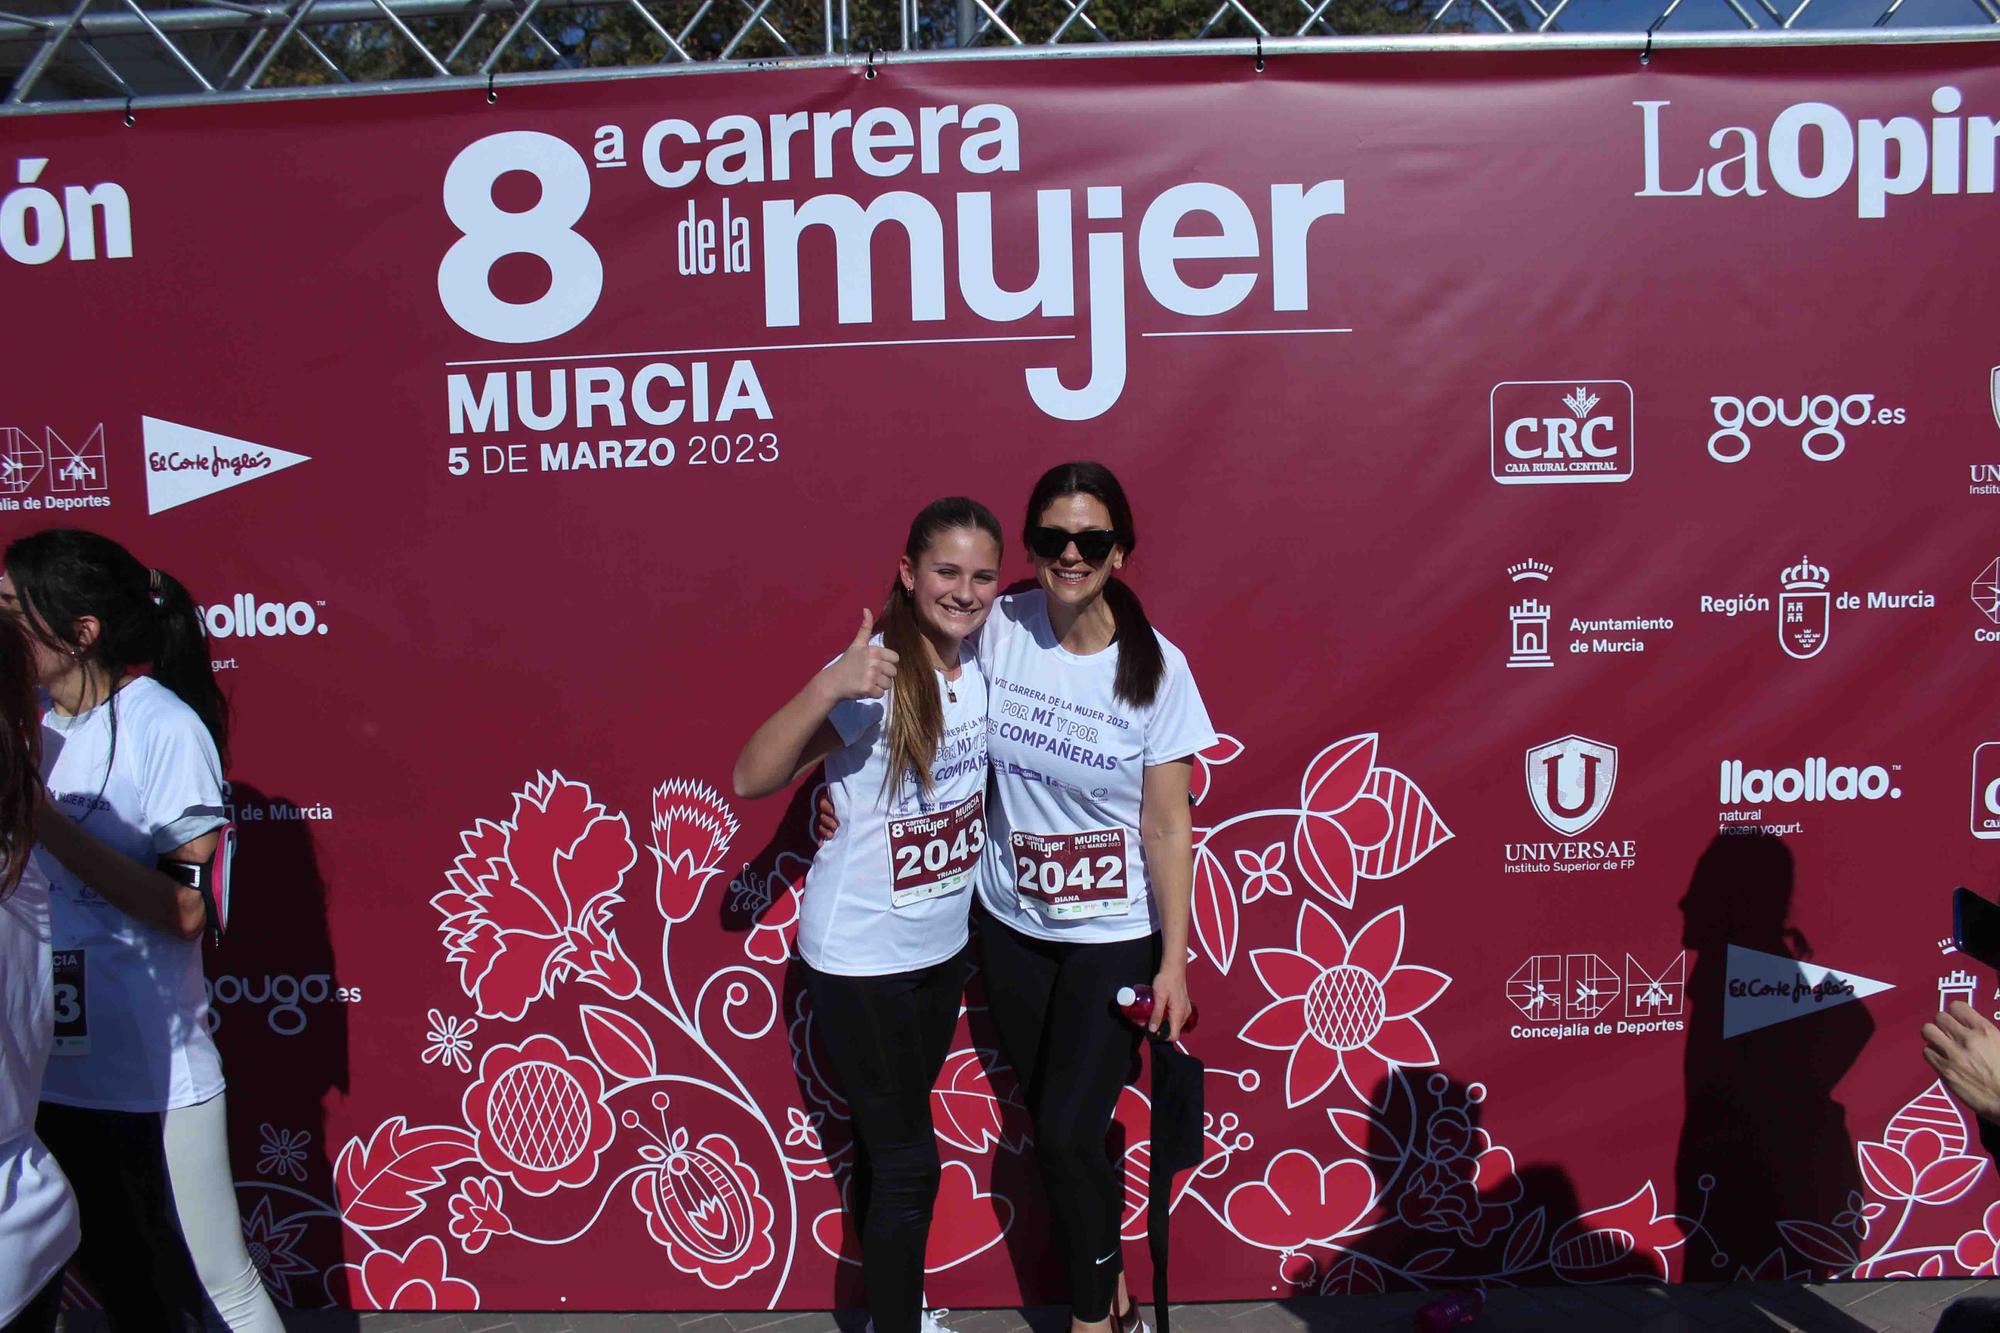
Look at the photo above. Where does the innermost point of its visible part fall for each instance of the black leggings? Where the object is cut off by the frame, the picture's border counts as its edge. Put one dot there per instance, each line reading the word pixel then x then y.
pixel 887 1038
pixel 1053 1004
pixel 133 1252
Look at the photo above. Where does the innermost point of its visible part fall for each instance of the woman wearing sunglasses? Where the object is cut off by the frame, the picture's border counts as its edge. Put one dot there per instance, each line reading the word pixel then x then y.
pixel 1093 724
pixel 900 720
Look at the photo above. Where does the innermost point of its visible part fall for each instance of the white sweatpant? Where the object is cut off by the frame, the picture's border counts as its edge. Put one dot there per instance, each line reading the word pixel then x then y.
pixel 197 1139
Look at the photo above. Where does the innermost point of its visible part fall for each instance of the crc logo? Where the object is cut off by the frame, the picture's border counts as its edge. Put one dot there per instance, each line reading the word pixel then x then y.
pixel 1822 412
pixel 244 617
pixel 1570 782
pixel 1556 432
pixel 1986 791
pixel 287 997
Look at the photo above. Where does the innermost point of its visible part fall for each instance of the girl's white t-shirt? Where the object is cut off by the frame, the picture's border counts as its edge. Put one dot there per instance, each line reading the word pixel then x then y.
pixel 136 1037
pixel 38 1225
pixel 1069 759
pixel 891 889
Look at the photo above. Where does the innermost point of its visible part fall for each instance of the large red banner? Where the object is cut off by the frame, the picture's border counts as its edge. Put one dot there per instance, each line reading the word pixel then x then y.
pixel 1572 480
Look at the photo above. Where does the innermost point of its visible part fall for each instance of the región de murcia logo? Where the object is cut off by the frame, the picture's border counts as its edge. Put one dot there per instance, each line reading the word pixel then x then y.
pixel 1805 616
pixel 1806 603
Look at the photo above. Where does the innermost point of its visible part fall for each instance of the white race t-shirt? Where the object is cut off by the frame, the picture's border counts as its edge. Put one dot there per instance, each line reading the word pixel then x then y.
pixel 139 1039
pixel 38 1227
pixel 1069 760
pixel 898 847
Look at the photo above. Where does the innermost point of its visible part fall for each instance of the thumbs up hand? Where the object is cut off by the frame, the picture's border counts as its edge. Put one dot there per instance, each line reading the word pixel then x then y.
pixel 865 670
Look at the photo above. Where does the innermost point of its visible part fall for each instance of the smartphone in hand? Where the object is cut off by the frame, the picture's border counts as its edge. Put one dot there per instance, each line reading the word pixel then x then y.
pixel 1975 926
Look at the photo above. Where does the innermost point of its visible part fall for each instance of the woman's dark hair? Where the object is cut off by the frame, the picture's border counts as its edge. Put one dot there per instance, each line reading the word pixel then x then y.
pixel 145 616
pixel 20 753
pixel 916 718
pixel 1140 663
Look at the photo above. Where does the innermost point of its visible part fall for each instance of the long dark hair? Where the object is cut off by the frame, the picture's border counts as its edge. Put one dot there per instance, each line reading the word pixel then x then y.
pixel 916 718
pixel 1140 662
pixel 146 617
pixel 20 754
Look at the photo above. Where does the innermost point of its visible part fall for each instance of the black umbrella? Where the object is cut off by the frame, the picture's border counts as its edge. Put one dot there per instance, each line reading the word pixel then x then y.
pixel 1177 1144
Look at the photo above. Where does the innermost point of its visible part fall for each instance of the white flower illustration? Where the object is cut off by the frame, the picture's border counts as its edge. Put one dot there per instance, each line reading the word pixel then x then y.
pixel 283 1153
pixel 450 1042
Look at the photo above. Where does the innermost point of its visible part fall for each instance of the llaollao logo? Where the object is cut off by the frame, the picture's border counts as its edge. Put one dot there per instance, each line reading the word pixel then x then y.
pixel 245 616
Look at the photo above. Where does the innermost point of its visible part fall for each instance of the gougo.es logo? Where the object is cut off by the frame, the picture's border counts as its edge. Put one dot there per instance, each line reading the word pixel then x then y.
pixel 1821 415
pixel 283 998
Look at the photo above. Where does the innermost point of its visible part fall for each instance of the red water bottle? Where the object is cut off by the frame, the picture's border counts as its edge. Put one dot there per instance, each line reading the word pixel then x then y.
pixel 1136 1003
pixel 1454 1311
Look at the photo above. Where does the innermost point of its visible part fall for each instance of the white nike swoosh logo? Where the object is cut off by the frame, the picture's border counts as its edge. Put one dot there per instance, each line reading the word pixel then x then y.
pixel 1107 1258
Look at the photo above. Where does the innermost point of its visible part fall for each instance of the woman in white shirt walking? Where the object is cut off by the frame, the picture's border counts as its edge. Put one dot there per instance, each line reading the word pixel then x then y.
pixel 38 1231
pixel 900 720
pixel 132 1102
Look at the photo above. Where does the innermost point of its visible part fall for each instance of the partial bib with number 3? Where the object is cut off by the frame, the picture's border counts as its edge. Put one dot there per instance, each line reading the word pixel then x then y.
pixel 935 854
pixel 1065 876
pixel 71 995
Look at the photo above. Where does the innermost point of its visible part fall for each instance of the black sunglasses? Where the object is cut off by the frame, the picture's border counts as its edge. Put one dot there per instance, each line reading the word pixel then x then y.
pixel 1093 544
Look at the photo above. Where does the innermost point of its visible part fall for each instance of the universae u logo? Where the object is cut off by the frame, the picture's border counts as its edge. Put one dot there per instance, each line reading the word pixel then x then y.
pixel 1570 781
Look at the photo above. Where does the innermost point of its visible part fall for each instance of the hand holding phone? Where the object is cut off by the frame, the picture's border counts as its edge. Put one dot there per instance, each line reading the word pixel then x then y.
pixel 1975 926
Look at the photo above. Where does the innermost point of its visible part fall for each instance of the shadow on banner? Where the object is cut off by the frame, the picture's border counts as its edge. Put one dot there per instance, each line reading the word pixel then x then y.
pixel 279 1014
pixel 1764 1146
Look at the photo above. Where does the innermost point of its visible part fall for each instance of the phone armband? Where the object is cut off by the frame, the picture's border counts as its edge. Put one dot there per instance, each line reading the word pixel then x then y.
pixel 210 878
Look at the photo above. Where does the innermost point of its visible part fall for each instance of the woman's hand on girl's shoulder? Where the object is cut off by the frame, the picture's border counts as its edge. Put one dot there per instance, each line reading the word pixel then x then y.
pixel 866 670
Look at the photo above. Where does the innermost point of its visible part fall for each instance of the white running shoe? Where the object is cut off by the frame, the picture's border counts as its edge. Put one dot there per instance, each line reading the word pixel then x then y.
pixel 1136 1324
pixel 930 1321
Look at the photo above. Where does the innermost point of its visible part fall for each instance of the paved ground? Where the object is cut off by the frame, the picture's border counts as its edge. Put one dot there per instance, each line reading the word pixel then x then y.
pixel 1841 1307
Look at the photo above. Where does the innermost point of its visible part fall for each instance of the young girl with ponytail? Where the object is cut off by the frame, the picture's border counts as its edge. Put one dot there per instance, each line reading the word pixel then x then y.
pixel 900 720
pixel 38 1230
pixel 1087 885
pixel 132 765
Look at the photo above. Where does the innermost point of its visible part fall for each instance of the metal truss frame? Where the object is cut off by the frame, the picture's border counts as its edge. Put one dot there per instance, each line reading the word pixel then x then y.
pixel 157 52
